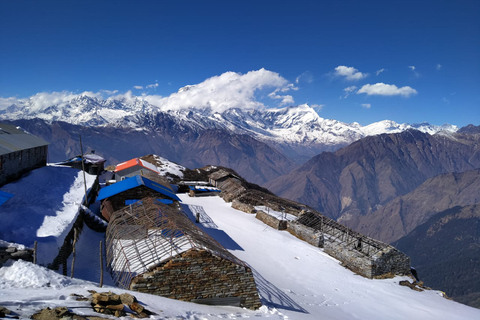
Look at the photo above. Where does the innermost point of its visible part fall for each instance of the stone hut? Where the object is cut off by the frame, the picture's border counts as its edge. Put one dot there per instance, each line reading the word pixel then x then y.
pixel 366 256
pixel 218 178
pixel 231 185
pixel 156 249
pixel 20 152
pixel 125 192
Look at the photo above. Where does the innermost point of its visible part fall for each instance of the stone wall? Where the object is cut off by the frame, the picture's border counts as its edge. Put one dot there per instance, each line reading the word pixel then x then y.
pixel 310 235
pixel 390 260
pixel 198 274
pixel 236 204
pixel 271 220
pixel 386 261
pixel 14 164
pixel 13 253
pixel 350 258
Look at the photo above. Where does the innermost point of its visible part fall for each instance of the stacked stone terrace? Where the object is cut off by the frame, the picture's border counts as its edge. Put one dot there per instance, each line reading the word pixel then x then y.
pixel 366 256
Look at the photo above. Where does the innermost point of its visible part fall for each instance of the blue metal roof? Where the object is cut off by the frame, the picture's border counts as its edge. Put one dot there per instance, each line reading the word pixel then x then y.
pixel 4 196
pixel 134 182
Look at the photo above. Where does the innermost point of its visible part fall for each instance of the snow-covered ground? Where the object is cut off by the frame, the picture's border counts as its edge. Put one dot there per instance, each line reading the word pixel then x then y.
pixel 43 208
pixel 295 280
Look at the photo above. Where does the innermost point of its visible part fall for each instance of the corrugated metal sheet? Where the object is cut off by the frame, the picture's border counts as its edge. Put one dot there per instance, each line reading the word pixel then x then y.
pixel 13 139
pixel 136 162
pixel 134 182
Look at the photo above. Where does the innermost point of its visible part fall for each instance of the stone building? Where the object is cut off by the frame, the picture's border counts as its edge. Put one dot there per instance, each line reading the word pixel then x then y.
pixel 155 248
pixel 366 256
pixel 20 152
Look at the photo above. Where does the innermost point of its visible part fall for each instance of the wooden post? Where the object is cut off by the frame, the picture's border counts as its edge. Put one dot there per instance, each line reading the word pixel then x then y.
pixel 83 169
pixel 73 251
pixel 35 252
pixel 101 265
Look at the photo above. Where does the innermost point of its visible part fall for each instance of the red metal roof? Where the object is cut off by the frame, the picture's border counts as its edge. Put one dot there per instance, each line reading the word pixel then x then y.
pixel 135 162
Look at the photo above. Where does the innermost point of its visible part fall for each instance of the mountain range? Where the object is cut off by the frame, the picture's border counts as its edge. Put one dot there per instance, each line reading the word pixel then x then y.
pixel 387 180
pixel 290 135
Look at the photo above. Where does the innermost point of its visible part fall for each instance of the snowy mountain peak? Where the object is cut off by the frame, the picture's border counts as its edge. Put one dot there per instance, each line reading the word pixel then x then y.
pixel 298 130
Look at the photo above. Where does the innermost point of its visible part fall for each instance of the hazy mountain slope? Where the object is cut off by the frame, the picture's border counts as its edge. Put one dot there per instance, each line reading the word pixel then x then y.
pixel 403 214
pixel 445 250
pixel 367 174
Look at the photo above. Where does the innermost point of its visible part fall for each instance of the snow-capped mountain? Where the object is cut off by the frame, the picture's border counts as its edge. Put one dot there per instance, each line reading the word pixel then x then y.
pixel 298 131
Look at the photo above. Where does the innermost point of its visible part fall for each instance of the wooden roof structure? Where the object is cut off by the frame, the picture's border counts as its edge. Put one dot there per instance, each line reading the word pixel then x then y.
pixel 142 235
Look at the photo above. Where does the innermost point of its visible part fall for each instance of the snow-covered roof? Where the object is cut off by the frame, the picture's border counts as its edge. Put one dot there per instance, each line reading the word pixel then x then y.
pixel 204 189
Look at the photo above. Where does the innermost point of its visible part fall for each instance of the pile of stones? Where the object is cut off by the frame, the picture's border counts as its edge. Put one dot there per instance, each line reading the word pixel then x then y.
pixel 118 305
pixel 108 303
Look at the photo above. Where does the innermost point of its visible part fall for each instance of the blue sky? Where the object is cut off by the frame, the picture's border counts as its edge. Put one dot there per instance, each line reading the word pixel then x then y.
pixel 364 61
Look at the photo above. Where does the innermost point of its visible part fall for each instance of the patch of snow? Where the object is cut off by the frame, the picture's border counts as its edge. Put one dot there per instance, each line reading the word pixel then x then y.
pixel 22 274
pixel 168 166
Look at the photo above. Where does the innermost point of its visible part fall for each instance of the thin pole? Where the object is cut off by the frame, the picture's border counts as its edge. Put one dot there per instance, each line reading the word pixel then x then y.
pixel 83 169
pixel 101 265
pixel 73 250
pixel 35 252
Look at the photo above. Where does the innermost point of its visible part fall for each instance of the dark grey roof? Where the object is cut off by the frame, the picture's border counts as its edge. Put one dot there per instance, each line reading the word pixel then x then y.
pixel 14 139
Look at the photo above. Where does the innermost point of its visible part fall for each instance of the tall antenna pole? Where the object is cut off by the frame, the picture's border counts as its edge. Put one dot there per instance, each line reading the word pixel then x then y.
pixel 83 169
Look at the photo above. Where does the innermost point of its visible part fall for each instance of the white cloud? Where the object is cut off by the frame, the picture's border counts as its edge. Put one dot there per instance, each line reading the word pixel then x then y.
pixel 350 73
pixel 439 66
pixel 286 99
pixel 43 100
pixel 366 105
pixel 382 89
pixel 138 87
pixel 307 77
pixel 155 85
pixel 226 91
pixel 109 92
pixel 445 100
pixel 349 90
pixel 415 73
pixel 380 71
pixel 317 107
pixel 7 102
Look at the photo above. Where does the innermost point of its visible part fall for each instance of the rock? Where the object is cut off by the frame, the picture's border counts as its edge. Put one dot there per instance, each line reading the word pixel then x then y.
pixel 4 311
pixel 127 299
pixel 135 306
pixel 412 286
pixel 52 314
